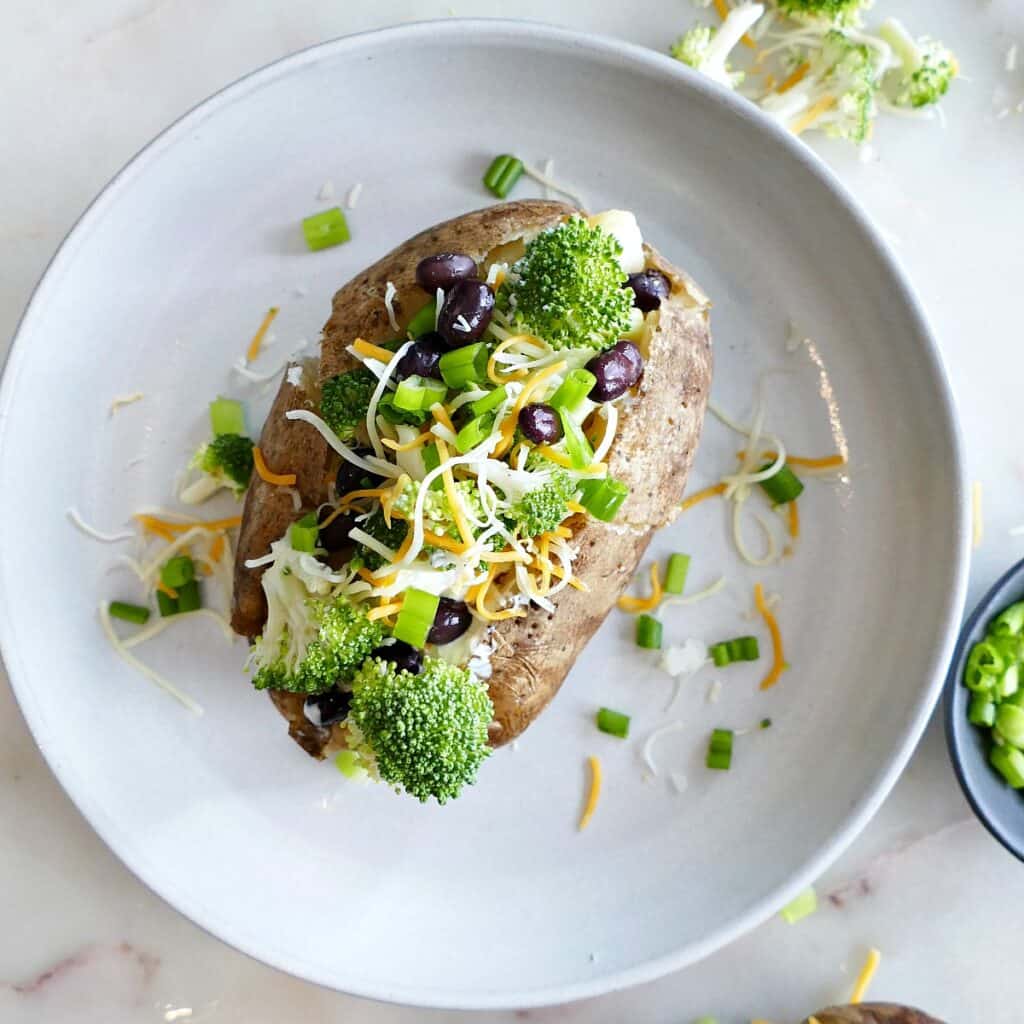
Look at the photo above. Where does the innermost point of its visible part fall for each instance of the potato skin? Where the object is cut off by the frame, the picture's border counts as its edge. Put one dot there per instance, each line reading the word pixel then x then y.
pixel 873 1013
pixel 657 438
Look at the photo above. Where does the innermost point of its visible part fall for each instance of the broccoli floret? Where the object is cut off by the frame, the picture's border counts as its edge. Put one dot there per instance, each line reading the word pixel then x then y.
pixel 390 536
pixel 837 96
pixel 543 508
pixel 345 400
pixel 926 68
pixel 437 512
pixel 835 12
pixel 707 49
pixel 224 461
pixel 567 287
pixel 424 734
pixel 337 639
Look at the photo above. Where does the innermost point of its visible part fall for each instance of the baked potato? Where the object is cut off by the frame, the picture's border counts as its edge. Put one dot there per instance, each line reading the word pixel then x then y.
pixel 871 1013
pixel 651 402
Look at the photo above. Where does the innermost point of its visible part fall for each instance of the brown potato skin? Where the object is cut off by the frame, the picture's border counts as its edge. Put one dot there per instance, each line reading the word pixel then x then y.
pixel 873 1013
pixel 652 454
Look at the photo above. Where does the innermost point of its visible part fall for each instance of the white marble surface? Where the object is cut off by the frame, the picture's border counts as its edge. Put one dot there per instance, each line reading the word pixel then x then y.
pixel 85 85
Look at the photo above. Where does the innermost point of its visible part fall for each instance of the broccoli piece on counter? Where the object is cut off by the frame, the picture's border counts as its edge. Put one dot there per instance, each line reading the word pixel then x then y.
pixel 926 68
pixel 543 508
pixel 707 49
pixel 345 399
pixel 568 287
pixel 225 461
pixel 425 734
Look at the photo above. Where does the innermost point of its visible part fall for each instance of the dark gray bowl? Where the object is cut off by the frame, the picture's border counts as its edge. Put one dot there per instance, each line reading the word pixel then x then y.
pixel 1000 808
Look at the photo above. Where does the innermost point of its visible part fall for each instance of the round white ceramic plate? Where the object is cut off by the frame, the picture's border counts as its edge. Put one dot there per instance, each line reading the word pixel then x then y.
pixel 495 900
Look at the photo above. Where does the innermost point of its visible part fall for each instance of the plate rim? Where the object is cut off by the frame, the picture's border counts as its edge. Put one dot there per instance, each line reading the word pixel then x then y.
pixel 638 57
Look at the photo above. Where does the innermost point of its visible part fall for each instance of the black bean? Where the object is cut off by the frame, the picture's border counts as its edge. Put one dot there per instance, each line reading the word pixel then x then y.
pixel 650 288
pixel 629 351
pixel 422 358
pixel 405 657
pixel 334 536
pixel 466 312
pixel 451 620
pixel 614 373
pixel 355 478
pixel 444 270
pixel 540 423
pixel 331 706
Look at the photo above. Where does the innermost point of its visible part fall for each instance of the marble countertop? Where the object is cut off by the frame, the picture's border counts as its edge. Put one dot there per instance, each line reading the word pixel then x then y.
pixel 86 85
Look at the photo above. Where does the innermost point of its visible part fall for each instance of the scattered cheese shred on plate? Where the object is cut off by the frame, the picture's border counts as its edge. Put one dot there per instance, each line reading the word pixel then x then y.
pixel 123 400
pixel 257 339
pixel 645 604
pixel 594 793
pixel 91 531
pixel 778 655
pixel 708 492
pixel 867 972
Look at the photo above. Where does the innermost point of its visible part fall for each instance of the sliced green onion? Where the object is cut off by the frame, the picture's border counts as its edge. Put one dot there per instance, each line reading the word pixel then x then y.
pixel 416 393
pixel 424 321
pixel 177 571
pixel 615 723
pixel 350 764
pixel 603 497
pixel 473 433
pixel 742 648
pixel 489 402
pixel 465 365
pixel 129 612
pixel 1009 681
pixel 982 710
pixel 504 172
pixel 675 574
pixel 1009 762
pixel 227 416
pixel 783 487
pixel 305 533
pixel 985 665
pixel 720 654
pixel 803 906
pixel 766 723
pixel 1008 622
pixel 416 617
pixel 576 386
pixel 747 648
pixel 188 597
pixel 386 408
pixel 322 230
pixel 1010 723
pixel 648 632
pixel 720 750
pixel 577 447
pixel 431 460
pixel 168 605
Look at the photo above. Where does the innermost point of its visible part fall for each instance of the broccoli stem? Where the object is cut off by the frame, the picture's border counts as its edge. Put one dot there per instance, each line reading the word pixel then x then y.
pixel 903 44
pixel 732 30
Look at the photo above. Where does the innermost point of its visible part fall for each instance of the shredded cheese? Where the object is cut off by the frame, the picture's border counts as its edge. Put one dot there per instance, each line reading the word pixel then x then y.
pixel 265 474
pixel 508 426
pixel 648 748
pixel 389 304
pixel 122 400
pixel 822 107
pixel 492 363
pixel 438 411
pixel 867 972
pixel 836 461
pixel 708 492
pixel 793 519
pixel 593 794
pixel 724 11
pixel 798 75
pixel 438 540
pixel 645 604
pixel 778 654
pixel 383 610
pixel 379 467
pixel 154 524
pixel 453 496
pixel 256 344
pixel 371 351
pixel 91 531
pixel 409 446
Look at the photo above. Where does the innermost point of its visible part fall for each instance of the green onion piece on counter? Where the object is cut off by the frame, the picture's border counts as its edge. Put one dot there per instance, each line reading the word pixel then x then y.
pixel 416 394
pixel 350 765
pixel 648 632
pixel 322 230
pixel 188 597
pixel 1009 622
pixel 719 756
pixel 982 710
pixel 742 648
pixel 416 617
pixel 431 460
pixel 1010 723
pixel 984 666
pixel 504 172
pixel 168 605
pixel 766 723
pixel 603 498
pixel 803 906
pixel 675 574
pixel 386 408
pixel 227 417
pixel 489 402
pixel 129 612
pixel 747 648
pixel 720 654
pixel 575 387
pixel 1009 762
pixel 615 723
pixel 577 447
pixel 424 321
pixel 305 533
pixel 465 365
pixel 177 571
pixel 473 433
pixel 783 487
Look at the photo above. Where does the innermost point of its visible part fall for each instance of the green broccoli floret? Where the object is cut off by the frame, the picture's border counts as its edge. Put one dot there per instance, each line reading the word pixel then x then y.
pixel 338 639
pixel 543 508
pixel 838 91
pixel 345 399
pixel 224 461
pixel 835 12
pixel 567 287
pixel 390 536
pixel 437 512
pixel 926 68
pixel 424 734
pixel 707 49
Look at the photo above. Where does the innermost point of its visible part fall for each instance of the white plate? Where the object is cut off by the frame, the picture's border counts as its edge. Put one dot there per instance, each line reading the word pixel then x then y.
pixel 496 900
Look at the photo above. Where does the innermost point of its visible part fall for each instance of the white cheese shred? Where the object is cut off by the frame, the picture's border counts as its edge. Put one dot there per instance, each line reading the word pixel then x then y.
pixel 91 531
pixel 566 190
pixel 122 400
pixel 353 195
pixel 648 748
pixel 389 304
pixel 380 467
